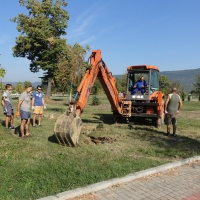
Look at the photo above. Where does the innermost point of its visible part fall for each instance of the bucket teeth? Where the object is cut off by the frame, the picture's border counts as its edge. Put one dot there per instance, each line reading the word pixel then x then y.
pixel 67 129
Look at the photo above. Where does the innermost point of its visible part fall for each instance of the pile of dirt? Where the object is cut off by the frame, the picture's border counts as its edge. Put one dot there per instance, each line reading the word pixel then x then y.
pixel 102 140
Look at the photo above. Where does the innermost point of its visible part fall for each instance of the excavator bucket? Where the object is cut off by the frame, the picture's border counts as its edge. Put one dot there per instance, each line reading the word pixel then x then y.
pixel 67 129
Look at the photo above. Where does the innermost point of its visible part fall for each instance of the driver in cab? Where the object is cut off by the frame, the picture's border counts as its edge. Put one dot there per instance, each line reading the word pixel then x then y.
pixel 140 86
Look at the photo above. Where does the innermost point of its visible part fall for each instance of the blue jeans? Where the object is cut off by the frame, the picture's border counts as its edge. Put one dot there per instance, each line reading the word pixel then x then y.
pixel 142 90
pixel 25 114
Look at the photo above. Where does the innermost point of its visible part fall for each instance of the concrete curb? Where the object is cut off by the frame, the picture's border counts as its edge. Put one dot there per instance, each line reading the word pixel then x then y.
pixel 104 184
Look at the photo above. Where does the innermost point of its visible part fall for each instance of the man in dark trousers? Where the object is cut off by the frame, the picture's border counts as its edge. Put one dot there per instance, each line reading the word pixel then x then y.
pixel 173 105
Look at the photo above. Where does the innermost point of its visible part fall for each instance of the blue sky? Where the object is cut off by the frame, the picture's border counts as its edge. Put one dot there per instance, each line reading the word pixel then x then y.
pixel 165 33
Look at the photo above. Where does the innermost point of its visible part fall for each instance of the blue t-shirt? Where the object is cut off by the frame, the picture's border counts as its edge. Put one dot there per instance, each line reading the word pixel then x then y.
pixel 38 96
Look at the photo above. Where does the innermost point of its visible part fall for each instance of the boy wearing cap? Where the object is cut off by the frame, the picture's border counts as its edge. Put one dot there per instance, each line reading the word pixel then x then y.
pixel 37 105
pixel 24 104
pixel 7 105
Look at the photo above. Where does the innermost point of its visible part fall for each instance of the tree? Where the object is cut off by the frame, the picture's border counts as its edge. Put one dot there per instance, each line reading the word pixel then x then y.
pixel 27 83
pixel 97 88
pixel 197 84
pixel 2 72
pixel 177 85
pixel 165 85
pixel 95 100
pixel 183 95
pixel 122 83
pixel 71 66
pixel 19 87
pixel 40 35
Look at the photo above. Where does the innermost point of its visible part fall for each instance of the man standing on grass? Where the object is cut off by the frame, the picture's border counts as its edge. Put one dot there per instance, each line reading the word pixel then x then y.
pixel 8 110
pixel 172 105
pixel 37 105
pixel 24 104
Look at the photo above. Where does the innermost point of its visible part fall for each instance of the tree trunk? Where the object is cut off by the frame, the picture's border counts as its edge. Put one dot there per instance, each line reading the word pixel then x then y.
pixel 48 92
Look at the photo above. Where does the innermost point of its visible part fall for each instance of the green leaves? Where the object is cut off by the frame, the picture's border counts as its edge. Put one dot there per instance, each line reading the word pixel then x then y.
pixel 41 42
pixel 197 84
pixel 46 19
pixel 2 72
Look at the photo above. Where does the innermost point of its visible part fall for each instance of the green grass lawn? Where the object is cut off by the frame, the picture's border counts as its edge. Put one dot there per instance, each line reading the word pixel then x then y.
pixel 37 167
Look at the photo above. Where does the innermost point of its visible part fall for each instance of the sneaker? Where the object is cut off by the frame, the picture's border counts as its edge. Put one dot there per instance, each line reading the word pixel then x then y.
pixel 34 126
pixel 11 127
pixel 39 125
pixel 168 134
pixel 174 135
pixel 6 129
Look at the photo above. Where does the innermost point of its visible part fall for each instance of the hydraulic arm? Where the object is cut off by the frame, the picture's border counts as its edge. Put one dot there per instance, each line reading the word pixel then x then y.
pixel 68 126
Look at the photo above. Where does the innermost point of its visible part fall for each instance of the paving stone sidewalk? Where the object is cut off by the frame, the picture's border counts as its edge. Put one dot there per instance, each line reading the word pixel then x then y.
pixel 174 181
pixel 177 183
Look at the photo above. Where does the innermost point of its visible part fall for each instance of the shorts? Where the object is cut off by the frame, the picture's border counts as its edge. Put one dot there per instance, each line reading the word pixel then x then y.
pixel 9 108
pixel 25 114
pixel 170 118
pixel 38 110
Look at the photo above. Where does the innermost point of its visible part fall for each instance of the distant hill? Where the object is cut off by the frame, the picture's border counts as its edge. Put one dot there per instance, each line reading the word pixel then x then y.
pixel 35 84
pixel 185 77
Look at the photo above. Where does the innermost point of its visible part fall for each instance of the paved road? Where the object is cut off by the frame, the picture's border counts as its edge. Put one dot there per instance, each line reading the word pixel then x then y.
pixel 174 181
pixel 174 184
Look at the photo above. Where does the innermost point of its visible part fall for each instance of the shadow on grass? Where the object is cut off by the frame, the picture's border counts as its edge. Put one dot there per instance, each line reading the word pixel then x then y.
pixel 57 109
pixel 54 99
pixel 53 139
pixel 99 118
pixel 17 131
pixel 173 146
pixel 2 122
pixel 108 119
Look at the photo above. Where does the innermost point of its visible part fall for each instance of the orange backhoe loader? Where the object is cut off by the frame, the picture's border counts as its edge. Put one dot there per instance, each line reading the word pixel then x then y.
pixel 148 103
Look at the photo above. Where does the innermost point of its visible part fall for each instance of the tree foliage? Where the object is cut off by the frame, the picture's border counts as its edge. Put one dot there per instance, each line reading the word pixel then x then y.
pixel 97 88
pixel 41 30
pixel 2 72
pixel 71 67
pixel 40 41
pixel 95 101
pixel 197 84
pixel 19 87
pixel 177 85
pixel 122 83
pixel 164 84
pixel 27 83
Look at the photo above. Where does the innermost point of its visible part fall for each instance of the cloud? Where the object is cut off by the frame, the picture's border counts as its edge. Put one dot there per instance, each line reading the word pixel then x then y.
pixel 108 28
pixel 86 41
pixel 84 21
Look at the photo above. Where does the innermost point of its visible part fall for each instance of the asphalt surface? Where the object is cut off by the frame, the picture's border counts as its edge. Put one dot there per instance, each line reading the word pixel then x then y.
pixel 174 181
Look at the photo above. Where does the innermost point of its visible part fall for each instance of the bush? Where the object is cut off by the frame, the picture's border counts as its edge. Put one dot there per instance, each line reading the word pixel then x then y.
pixel 183 96
pixel 95 101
